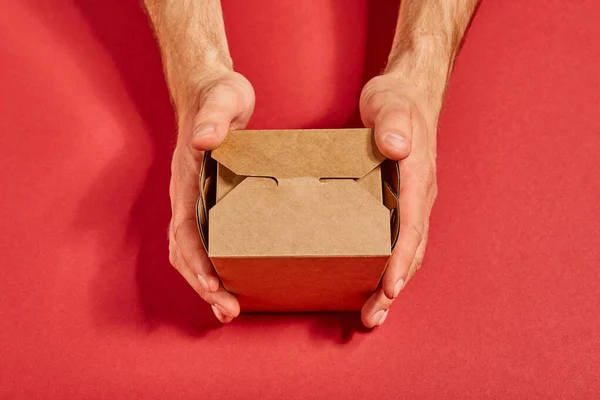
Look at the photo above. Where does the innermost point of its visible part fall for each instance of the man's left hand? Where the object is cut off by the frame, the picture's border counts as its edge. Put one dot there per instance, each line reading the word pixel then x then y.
pixel 405 130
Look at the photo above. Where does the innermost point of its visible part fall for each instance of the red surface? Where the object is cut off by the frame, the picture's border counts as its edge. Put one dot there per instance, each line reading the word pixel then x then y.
pixel 506 305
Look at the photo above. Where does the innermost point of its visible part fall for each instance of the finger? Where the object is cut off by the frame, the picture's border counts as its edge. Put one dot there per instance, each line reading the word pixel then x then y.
pixel 184 229
pixel 393 131
pixel 412 224
pixel 224 305
pixel 375 310
pixel 419 255
pixel 417 262
pixel 225 103
pixel 193 253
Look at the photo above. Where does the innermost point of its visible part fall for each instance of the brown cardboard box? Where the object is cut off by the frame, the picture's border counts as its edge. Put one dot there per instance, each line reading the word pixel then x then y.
pixel 299 220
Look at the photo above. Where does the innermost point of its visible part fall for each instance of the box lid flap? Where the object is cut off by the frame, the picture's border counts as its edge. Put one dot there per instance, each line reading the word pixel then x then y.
pixel 338 153
pixel 262 219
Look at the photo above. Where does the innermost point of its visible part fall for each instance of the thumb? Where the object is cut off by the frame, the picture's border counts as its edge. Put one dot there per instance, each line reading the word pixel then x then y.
pixel 393 131
pixel 224 104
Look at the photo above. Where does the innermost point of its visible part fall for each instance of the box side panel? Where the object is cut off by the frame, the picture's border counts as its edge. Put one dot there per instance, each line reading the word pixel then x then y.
pixel 301 284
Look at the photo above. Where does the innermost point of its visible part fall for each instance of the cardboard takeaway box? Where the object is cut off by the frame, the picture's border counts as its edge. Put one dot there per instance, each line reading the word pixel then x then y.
pixel 299 220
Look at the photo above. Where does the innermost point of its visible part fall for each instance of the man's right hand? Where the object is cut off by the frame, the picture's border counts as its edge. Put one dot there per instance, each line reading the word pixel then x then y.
pixel 225 101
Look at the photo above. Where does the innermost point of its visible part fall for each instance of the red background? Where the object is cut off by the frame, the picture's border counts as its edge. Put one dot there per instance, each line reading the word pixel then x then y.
pixel 506 305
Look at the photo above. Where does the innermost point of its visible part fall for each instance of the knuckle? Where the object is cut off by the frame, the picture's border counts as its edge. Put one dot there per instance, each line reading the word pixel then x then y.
pixel 405 264
pixel 375 96
pixel 419 229
pixel 177 232
pixel 411 273
pixel 366 100
pixel 171 238
pixel 204 295
pixel 431 175
pixel 386 102
pixel 224 84
pixel 243 89
pixel 395 114
pixel 216 96
pixel 381 95
pixel 401 104
pixel 418 262
pixel 173 259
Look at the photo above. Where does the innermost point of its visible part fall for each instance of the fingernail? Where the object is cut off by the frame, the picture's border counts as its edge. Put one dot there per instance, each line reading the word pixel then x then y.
pixel 204 130
pixel 376 319
pixel 203 283
pixel 383 318
pixel 222 311
pixel 217 313
pixel 398 287
pixel 396 141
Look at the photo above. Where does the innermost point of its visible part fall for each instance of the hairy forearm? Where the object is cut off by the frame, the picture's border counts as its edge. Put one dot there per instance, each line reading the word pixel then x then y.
pixel 427 39
pixel 193 45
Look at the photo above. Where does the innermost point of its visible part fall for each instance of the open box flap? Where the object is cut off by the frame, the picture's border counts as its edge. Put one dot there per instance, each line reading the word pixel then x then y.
pixel 334 218
pixel 338 153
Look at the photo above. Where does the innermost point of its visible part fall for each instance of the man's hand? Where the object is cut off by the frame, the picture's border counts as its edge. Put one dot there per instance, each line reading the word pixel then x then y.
pixel 209 99
pixel 224 101
pixel 403 107
pixel 402 132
